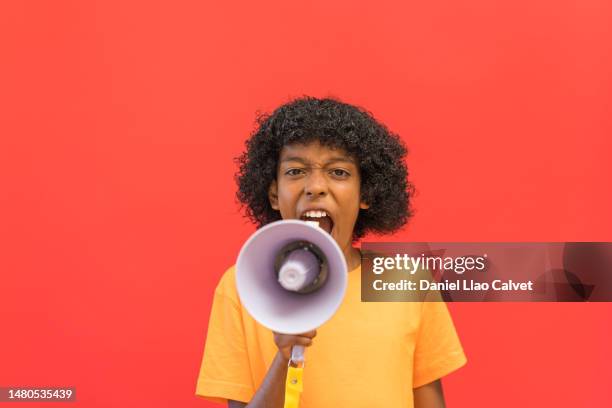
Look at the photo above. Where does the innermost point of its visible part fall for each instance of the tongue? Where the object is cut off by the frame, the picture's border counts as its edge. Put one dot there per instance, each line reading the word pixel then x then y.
pixel 325 223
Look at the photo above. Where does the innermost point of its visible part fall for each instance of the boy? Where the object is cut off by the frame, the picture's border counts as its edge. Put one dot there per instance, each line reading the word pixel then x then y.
pixel 326 159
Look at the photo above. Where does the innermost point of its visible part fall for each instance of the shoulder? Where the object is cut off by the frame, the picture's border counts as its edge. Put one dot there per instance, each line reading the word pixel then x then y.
pixel 227 285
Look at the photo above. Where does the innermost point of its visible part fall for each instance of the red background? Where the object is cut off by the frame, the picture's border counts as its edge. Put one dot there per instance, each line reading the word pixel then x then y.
pixel 119 121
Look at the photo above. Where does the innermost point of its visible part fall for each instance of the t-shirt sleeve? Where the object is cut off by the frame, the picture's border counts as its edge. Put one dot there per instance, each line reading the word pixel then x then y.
pixel 438 350
pixel 225 371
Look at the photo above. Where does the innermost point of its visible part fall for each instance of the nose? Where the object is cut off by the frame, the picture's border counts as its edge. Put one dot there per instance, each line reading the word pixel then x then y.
pixel 315 184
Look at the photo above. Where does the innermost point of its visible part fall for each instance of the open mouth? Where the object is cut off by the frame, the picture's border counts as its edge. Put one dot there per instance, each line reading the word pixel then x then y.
pixel 320 216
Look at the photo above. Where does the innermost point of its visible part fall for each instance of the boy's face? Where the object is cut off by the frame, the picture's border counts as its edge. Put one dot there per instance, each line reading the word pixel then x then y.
pixel 313 178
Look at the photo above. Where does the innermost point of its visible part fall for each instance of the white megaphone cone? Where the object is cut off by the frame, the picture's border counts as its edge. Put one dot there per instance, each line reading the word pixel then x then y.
pixel 291 277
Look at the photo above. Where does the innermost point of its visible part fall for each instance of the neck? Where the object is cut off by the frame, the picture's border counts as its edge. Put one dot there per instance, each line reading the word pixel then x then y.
pixel 353 257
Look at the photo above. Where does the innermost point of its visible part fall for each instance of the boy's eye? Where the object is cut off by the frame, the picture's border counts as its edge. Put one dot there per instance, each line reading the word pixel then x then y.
pixel 294 172
pixel 340 173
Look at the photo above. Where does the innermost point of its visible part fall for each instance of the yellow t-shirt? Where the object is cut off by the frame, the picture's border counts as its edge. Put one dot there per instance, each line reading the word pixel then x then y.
pixel 366 355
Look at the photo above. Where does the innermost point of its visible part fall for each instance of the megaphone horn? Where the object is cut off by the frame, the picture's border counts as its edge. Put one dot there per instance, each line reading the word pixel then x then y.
pixel 291 276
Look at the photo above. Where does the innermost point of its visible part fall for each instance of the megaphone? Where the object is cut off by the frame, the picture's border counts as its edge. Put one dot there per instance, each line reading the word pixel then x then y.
pixel 291 276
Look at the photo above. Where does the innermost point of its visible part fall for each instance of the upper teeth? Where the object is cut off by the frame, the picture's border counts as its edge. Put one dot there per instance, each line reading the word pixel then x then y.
pixel 315 214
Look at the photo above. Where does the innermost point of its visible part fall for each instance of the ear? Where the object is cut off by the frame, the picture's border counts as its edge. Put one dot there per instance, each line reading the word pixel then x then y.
pixel 273 195
pixel 363 205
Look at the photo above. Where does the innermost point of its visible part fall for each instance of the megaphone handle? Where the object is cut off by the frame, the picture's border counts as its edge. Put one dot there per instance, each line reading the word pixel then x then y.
pixel 297 354
pixel 293 383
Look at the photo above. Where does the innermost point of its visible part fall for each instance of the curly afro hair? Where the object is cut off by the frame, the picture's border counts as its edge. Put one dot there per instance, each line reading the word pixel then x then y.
pixel 379 153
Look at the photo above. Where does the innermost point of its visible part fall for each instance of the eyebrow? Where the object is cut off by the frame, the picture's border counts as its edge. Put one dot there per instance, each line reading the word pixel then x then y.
pixel 330 161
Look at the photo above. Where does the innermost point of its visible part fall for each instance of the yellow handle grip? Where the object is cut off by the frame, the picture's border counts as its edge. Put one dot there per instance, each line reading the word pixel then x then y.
pixel 293 387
